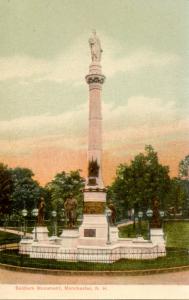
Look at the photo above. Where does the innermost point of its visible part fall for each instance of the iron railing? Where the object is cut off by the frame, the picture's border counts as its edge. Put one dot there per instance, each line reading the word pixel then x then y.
pixel 92 259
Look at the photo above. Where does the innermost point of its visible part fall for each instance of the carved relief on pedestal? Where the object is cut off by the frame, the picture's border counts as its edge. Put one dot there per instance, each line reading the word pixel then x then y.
pixel 93 207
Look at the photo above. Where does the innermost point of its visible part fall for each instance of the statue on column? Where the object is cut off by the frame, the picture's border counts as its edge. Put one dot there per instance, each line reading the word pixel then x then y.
pixel 95 46
pixel 70 206
pixel 41 212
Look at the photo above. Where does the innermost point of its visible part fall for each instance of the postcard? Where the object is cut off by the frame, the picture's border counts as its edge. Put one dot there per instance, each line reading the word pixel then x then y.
pixel 94 157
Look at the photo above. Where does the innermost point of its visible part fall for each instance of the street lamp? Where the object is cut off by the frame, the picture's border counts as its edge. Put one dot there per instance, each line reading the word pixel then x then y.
pixel 140 215
pixel 149 214
pixel 80 218
pixel 108 215
pixel 187 207
pixel 24 214
pixel 35 214
pixel 162 214
pixel 136 226
pixel 54 214
pixel 63 217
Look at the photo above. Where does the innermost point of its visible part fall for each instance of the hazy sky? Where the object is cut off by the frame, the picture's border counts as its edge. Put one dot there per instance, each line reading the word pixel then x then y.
pixel 44 57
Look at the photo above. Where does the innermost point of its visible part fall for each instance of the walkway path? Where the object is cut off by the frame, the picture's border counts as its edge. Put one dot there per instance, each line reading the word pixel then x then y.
pixel 12 277
pixel 126 223
pixel 17 232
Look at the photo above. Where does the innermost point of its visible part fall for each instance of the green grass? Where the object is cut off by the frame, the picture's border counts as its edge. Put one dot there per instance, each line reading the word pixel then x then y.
pixel 129 231
pixel 177 234
pixel 6 237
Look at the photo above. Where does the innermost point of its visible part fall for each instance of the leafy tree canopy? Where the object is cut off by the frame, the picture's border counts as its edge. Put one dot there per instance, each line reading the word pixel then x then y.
pixel 26 190
pixel 137 184
pixel 6 187
pixel 184 168
pixel 66 185
pixel 176 197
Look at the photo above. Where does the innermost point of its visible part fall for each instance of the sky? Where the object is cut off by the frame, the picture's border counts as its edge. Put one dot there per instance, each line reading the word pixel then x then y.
pixel 44 58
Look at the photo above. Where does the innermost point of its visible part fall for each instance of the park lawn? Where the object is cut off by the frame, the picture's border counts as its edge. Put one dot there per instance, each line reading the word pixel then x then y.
pixel 176 233
pixel 128 231
pixel 6 237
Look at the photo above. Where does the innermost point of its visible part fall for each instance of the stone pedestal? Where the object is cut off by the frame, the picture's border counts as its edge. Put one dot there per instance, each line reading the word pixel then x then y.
pixel 114 234
pixel 42 234
pixel 25 246
pixel 93 230
pixel 69 238
pixel 157 238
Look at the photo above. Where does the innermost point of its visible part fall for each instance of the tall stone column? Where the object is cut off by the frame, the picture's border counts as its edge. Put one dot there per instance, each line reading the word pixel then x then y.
pixel 94 226
pixel 95 79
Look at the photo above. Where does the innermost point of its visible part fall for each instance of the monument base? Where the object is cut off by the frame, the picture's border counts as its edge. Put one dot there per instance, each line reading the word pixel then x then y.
pixel 89 243
pixel 41 233
pixel 93 230
pixel 69 238
pixel 157 237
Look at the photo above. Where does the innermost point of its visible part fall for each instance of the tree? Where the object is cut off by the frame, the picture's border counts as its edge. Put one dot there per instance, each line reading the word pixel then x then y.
pixel 6 187
pixel 184 168
pixel 26 190
pixel 176 197
pixel 185 185
pixel 65 185
pixel 138 184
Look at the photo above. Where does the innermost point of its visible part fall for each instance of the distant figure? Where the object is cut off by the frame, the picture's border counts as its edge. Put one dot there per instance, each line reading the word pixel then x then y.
pixel 113 215
pixel 41 212
pixel 95 46
pixel 70 206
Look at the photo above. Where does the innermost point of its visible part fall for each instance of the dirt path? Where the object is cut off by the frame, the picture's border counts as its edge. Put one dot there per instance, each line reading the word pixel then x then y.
pixel 12 277
pixel 17 232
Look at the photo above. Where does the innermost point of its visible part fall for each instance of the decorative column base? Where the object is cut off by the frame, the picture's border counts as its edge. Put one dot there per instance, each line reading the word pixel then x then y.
pixel 157 238
pixel 69 238
pixel 42 234
pixel 93 230
pixel 114 234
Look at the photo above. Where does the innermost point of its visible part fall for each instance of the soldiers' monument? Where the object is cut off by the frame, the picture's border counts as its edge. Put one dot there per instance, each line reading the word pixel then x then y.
pixel 94 219
pixel 95 240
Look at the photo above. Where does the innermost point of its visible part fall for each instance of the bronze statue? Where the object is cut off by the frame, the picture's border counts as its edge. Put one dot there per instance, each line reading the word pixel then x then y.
pixel 93 168
pixel 41 212
pixel 113 215
pixel 156 222
pixel 70 206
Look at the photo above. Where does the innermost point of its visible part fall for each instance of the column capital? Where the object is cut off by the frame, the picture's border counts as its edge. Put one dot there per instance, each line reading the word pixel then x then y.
pixel 95 78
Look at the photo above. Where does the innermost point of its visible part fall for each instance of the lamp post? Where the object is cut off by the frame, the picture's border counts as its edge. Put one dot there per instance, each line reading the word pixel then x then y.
pixel 162 214
pixel 140 215
pixel 63 217
pixel 54 214
pixel 149 214
pixel 24 214
pixel 108 215
pixel 80 218
pixel 136 226
pixel 187 207
pixel 35 214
